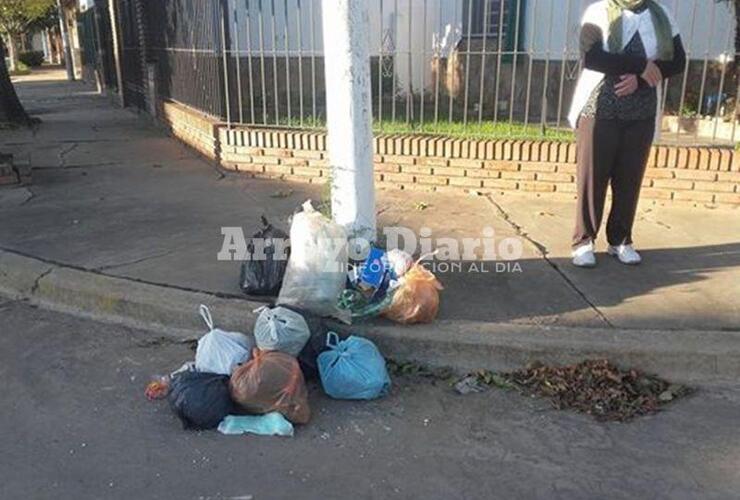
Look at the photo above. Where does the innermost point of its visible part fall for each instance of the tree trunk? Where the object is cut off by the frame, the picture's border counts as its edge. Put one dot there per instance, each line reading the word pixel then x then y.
pixel 12 54
pixel 57 40
pixel 51 42
pixel 11 109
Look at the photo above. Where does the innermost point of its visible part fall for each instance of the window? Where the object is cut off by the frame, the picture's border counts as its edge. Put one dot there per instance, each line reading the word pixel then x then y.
pixel 493 19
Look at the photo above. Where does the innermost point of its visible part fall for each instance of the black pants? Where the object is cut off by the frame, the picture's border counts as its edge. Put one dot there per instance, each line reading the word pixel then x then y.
pixel 610 152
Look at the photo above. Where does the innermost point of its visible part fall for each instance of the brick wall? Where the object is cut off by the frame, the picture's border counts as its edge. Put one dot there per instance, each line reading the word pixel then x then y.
pixel 542 168
pixel 700 175
pixel 197 130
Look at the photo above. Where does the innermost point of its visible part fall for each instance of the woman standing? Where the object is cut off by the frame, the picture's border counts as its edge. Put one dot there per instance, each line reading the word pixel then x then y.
pixel 628 48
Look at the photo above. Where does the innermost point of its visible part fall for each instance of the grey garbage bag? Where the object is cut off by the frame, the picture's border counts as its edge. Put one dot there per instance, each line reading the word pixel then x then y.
pixel 220 351
pixel 281 329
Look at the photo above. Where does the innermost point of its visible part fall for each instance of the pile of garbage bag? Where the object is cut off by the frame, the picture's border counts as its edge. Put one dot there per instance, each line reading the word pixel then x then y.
pixel 257 383
pixel 319 278
pixel 392 285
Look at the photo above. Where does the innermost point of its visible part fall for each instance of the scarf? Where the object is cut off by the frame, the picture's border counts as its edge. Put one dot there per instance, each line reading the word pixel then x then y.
pixel 661 23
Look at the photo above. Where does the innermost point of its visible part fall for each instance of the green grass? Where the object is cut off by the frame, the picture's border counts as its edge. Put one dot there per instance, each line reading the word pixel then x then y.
pixel 482 130
pixel 471 130
pixel 21 70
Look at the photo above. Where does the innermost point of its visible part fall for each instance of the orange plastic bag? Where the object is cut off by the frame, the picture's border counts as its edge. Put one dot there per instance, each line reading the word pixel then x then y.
pixel 271 381
pixel 417 299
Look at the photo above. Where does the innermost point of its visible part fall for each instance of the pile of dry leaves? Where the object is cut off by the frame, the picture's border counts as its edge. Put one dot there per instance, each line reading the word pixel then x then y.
pixel 596 387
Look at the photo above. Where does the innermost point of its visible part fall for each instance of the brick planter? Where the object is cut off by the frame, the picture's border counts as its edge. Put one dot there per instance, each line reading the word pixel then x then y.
pixel 543 168
pixel 694 175
pixel 196 129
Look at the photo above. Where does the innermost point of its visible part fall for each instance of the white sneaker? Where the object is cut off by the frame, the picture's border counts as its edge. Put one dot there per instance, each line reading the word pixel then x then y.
pixel 625 253
pixel 584 256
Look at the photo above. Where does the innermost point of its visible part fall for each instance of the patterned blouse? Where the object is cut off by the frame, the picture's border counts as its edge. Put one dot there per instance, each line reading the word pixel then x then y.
pixel 604 104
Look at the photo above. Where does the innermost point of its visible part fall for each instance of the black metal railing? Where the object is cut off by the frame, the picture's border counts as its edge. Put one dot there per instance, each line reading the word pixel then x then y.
pixel 472 67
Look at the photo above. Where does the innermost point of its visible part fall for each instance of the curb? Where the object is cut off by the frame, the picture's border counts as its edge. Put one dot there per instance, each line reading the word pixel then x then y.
pixel 683 356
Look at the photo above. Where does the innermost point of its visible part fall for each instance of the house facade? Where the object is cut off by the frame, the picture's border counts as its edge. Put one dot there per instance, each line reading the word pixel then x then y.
pixel 261 61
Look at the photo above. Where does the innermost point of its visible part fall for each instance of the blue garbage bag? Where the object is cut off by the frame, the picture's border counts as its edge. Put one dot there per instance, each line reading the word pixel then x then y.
pixel 353 369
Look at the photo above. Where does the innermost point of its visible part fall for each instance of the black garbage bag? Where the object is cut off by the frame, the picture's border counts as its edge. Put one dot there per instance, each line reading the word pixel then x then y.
pixel 264 275
pixel 316 344
pixel 201 400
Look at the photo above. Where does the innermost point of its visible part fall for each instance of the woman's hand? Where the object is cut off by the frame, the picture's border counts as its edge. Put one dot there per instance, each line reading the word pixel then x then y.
pixel 652 74
pixel 627 85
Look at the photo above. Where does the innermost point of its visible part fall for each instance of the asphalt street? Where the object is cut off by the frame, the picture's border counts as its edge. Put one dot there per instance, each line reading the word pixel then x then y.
pixel 74 423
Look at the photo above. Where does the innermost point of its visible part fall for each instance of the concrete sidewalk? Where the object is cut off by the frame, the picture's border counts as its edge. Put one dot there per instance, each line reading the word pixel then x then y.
pixel 113 196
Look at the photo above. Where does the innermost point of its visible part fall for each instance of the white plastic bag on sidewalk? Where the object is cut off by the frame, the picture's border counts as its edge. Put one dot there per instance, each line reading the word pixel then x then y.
pixel 316 273
pixel 280 329
pixel 220 351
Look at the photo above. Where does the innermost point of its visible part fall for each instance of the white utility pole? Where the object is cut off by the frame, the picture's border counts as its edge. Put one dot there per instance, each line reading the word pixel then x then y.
pixel 65 42
pixel 346 26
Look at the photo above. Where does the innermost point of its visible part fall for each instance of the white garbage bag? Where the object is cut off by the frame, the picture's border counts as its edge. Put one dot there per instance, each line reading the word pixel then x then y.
pixel 280 329
pixel 317 267
pixel 399 261
pixel 220 351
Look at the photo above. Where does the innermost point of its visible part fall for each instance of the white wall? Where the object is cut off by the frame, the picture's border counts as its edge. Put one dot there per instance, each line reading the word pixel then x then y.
pixel 551 29
pixel 707 28
pixel 38 42
pixel 419 34
pixel 393 34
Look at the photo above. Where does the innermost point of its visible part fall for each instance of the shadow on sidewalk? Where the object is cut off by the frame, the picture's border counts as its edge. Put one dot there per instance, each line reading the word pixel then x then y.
pixel 666 291
pixel 153 213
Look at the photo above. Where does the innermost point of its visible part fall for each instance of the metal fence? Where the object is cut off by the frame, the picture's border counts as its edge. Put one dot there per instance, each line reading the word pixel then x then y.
pixel 105 50
pixel 477 67
pixel 133 57
pixel 96 45
pixel 186 44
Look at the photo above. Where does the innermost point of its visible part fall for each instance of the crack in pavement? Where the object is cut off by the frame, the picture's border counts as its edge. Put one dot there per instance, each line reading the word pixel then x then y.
pixel 67 141
pixel 63 265
pixel 37 281
pixel 165 341
pixel 72 167
pixel 135 261
pixel 542 249
pixel 31 197
pixel 63 153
